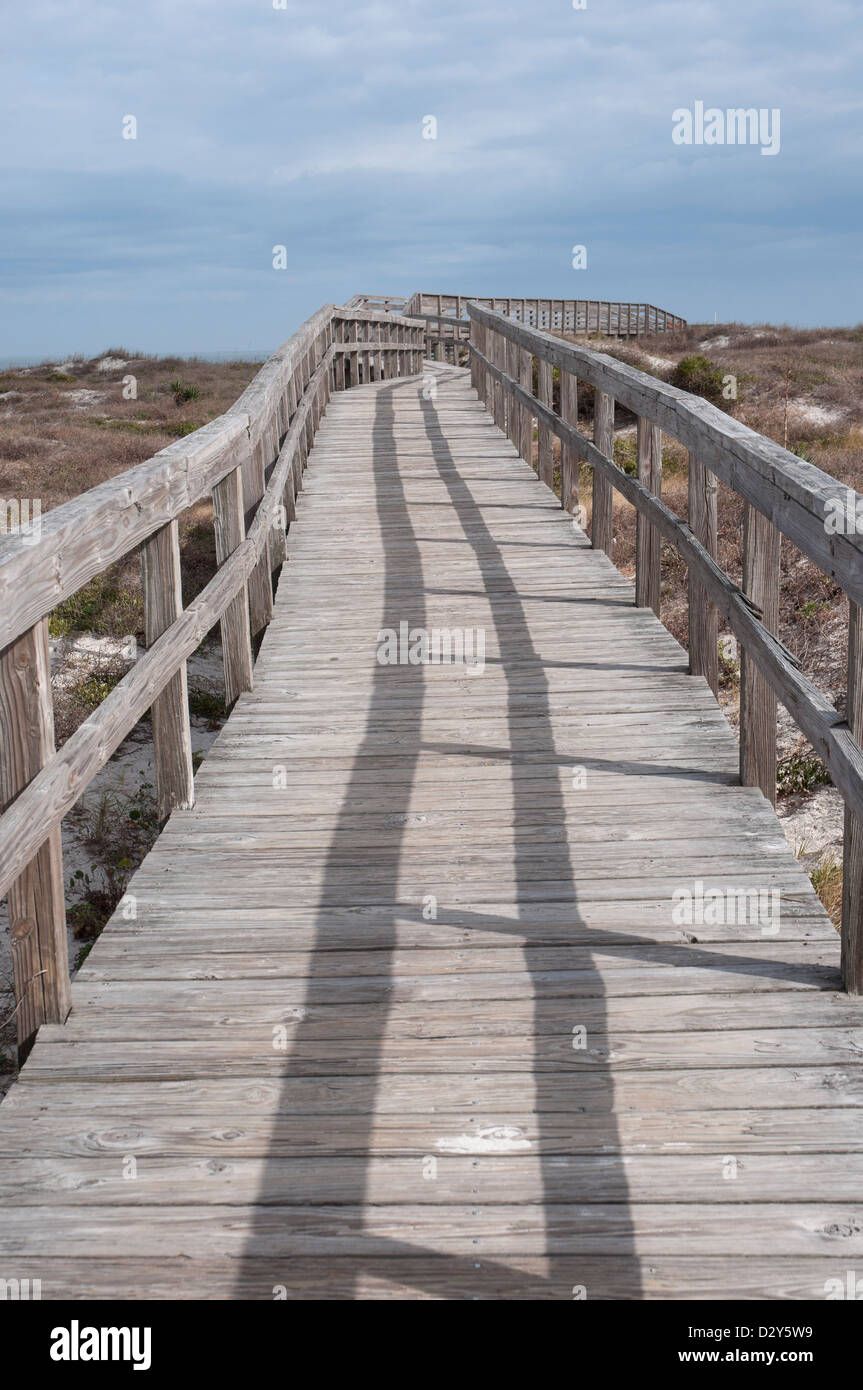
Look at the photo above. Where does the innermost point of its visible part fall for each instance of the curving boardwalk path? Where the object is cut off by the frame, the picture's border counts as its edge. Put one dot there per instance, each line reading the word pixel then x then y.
pixel 404 1010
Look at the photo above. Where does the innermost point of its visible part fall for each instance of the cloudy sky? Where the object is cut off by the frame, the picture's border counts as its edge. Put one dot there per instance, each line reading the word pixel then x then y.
pixel 302 126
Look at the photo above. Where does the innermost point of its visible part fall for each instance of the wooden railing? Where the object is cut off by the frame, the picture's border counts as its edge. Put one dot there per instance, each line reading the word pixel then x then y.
pixel 783 496
pixel 610 317
pixel 250 461
pixel 390 304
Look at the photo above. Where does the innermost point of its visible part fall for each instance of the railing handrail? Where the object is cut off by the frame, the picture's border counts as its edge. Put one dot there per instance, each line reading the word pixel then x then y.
pixel 791 492
pixel 784 495
pixel 37 575
pixel 250 460
pixel 454 306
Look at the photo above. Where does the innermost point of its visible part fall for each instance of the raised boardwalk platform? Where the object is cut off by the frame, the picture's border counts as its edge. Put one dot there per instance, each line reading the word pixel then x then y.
pixel 403 1010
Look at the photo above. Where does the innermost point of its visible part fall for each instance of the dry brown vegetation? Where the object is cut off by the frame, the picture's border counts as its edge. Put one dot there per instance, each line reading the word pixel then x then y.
pixel 64 428
pixel 802 388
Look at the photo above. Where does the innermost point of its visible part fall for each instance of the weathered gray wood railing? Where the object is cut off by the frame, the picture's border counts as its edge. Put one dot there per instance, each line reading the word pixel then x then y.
pixel 783 496
pixel 390 304
pixel 447 339
pixel 251 461
pixel 611 317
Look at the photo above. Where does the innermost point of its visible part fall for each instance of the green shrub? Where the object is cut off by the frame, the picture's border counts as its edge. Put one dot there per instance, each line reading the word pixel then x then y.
pixel 826 879
pixel 626 455
pixel 700 376
pixel 182 392
pixel 104 606
pixel 204 705
pixel 801 772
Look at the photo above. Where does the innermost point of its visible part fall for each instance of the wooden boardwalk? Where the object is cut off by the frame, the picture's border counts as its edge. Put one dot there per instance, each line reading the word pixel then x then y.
pixel 404 1009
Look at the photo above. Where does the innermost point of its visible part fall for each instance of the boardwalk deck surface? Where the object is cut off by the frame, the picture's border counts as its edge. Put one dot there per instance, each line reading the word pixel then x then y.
pixel 403 1010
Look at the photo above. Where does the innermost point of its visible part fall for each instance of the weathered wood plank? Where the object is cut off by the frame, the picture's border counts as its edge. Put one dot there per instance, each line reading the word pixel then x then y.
pixel 703 618
pixel 568 456
pixel 647 540
pixel 37 912
pixel 545 466
pixel 228 513
pixel 602 518
pixel 852 860
pixel 761 542
pixel 172 738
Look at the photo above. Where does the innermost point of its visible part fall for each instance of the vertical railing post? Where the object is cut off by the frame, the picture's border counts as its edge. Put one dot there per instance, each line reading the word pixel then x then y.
pixel 568 455
pixel 496 356
pixel 315 358
pixel 37 911
pixel 513 414
pixel 325 341
pixel 172 738
pixel 525 377
pixel 852 858
pixel 228 514
pixel 261 581
pixel 278 530
pixel 482 376
pixel 297 389
pixel 358 358
pixel 647 539
pixel 382 334
pixel 545 460
pixel 369 356
pixel 490 388
pixel 339 362
pixel 602 516
pixel 761 553
pixel 703 618
pixel 354 337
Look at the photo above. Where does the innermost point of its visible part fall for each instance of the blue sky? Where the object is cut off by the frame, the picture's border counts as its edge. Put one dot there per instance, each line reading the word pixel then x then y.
pixel 303 127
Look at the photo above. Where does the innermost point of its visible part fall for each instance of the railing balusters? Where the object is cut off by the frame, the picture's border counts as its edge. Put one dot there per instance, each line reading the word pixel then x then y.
pixel 602 517
pixel 172 738
pixel 228 514
pixel 499 412
pixel 513 414
pixel 142 509
pixel 545 455
pixel 703 618
pixel 261 582
pixel 647 544
pixel 36 901
pixel 852 857
pixel 525 376
pixel 568 455
pixel 761 550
